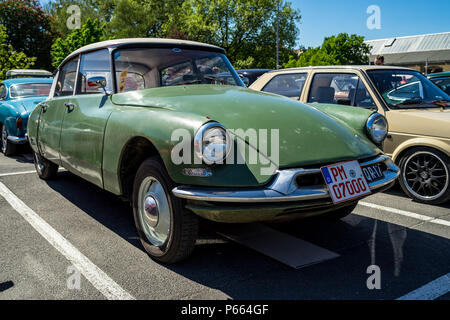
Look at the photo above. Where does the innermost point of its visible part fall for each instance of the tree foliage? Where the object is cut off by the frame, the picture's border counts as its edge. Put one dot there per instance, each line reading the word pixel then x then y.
pixel 102 10
pixel 342 49
pixel 245 28
pixel 10 58
pixel 90 32
pixel 29 29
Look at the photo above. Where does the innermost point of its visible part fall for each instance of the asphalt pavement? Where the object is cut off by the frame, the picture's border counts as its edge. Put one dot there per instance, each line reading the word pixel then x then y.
pixel 51 230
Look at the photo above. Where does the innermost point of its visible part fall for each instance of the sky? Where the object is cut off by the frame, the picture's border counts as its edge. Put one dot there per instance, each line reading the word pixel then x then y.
pixel 322 18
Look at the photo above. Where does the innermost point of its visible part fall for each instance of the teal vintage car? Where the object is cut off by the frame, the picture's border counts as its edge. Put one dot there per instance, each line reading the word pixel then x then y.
pixel 18 97
pixel 155 122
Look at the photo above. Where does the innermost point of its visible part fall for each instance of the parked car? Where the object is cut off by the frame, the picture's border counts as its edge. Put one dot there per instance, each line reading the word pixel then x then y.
pixel 18 97
pixel 442 80
pixel 417 111
pixel 123 135
pixel 28 73
pixel 251 74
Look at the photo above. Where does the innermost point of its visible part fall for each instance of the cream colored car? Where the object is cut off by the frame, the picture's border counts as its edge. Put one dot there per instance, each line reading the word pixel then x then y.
pixel 417 111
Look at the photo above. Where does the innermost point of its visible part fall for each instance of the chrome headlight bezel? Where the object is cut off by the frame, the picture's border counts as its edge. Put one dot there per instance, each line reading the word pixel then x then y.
pixel 377 135
pixel 200 145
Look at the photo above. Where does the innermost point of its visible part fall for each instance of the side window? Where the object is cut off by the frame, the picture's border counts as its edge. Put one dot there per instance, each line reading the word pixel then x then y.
pixel 288 85
pixel 2 92
pixel 94 64
pixel 66 79
pixel 339 88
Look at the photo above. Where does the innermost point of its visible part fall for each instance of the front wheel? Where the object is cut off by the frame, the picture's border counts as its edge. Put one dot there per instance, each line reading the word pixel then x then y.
pixel 45 169
pixel 8 148
pixel 166 229
pixel 425 175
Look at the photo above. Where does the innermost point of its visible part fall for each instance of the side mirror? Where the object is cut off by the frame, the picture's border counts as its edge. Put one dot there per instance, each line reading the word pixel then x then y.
pixel 97 82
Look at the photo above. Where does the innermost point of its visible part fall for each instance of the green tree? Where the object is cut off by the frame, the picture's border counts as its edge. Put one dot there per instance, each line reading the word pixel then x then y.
pixel 245 28
pixel 10 58
pixel 29 29
pixel 102 10
pixel 342 49
pixel 90 32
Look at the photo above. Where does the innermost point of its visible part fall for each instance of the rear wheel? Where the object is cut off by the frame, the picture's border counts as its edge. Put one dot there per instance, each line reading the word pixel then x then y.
pixel 45 169
pixel 425 175
pixel 8 148
pixel 166 229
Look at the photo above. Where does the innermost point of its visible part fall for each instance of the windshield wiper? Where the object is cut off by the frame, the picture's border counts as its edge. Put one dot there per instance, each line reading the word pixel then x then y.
pixel 214 78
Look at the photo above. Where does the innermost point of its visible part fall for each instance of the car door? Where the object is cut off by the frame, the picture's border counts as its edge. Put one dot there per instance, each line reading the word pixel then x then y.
pixel 85 118
pixel 53 110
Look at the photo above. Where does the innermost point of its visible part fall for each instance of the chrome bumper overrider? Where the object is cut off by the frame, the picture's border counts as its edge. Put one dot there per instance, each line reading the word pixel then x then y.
pixel 283 187
pixel 17 140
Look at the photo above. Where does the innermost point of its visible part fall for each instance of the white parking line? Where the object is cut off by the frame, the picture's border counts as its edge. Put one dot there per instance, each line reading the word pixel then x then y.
pixel 16 173
pixel 406 213
pixel 99 279
pixel 431 290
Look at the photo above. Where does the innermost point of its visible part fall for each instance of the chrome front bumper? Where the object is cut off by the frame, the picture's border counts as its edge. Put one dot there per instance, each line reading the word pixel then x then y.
pixel 283 188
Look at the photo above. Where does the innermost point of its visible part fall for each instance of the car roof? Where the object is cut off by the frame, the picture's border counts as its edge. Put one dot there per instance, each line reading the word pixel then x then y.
pixel 156 42
pixel 440 74
pixel 347 67
pixel 10 82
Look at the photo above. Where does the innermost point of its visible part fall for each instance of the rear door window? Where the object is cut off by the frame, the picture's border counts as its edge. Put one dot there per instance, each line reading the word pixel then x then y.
pixel 340 88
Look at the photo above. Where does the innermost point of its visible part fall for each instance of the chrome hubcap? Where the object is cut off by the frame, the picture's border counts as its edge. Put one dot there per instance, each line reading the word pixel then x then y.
pixel 4 138
pixel 425 175
pixel 154 211
pixel 39 165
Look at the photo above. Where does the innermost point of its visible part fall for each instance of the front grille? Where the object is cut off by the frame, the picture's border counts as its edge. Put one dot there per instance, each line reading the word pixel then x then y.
pixel 314 179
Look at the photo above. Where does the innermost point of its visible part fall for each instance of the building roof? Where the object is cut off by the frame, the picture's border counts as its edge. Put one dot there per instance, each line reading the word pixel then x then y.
pixel 413 49
pixel 157 42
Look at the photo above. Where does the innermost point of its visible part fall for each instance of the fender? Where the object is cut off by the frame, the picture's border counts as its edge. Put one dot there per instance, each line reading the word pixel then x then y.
pixel 440 144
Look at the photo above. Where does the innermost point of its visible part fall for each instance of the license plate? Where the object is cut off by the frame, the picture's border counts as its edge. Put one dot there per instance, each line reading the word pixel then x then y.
pixel 373 173
pixel 345 181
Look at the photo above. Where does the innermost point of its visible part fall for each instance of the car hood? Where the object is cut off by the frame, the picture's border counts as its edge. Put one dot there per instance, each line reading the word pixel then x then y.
pixel 27 104
pixel 429 122
pixel 306 135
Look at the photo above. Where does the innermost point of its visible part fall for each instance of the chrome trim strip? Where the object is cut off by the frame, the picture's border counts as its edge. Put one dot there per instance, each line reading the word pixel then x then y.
pixel 283 188
pixel 17 140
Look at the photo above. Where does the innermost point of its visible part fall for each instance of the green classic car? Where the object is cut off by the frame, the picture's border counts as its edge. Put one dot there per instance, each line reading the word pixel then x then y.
pixel 156 122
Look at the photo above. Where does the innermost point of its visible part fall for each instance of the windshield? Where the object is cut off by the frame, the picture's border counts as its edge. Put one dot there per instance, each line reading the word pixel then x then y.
pixel 29 90
pixel 141 68
pixel 406 89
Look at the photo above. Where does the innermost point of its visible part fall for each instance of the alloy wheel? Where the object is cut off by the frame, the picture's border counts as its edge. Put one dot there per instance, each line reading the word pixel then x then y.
pixel 425 175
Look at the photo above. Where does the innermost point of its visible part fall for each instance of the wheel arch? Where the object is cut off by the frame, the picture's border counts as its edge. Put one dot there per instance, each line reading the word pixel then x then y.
pixel 133 153
pixel 417 143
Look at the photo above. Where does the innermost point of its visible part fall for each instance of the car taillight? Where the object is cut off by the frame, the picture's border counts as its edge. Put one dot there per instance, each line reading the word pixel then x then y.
pixel 19 123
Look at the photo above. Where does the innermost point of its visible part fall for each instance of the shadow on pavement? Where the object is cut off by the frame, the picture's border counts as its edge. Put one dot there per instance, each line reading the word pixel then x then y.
pixel 407 258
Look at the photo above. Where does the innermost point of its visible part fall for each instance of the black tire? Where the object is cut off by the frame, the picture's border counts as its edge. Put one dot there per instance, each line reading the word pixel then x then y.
pixel 339 213
pixel 8 148
pixel 183 231
pixel 45 169
pixel 415 172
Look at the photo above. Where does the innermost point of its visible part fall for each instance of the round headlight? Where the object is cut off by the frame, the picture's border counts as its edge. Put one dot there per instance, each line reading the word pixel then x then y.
pixel 377 127
pixel 212 143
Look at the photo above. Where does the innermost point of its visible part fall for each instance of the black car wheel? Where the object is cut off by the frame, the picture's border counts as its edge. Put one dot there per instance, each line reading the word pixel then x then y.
pixel 425 175
pixel 166 229
pixel 45 169
pixel 8 148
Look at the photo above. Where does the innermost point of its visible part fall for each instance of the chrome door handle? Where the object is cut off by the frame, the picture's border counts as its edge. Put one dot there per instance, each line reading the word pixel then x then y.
pixel 44 107
pixel 69 105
